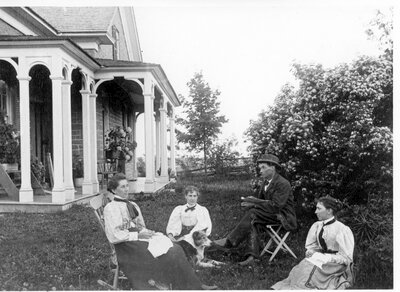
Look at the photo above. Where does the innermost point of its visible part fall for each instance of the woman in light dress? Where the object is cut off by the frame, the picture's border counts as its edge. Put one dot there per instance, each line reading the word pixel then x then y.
pixel 188 218
pixel 328 262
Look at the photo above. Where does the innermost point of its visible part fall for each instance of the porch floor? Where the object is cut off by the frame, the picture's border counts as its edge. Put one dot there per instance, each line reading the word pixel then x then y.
pixel 43 203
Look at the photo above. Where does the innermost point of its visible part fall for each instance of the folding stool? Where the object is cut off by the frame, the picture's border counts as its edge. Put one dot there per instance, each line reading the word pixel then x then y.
pixel 273 232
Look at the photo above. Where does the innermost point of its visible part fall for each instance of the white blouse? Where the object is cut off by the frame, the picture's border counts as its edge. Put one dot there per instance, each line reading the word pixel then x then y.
pixel 337 236
pixel 199 218
pixel 117 222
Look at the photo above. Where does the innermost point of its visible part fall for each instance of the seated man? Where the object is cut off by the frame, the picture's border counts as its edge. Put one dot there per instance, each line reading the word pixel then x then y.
pixel 274 205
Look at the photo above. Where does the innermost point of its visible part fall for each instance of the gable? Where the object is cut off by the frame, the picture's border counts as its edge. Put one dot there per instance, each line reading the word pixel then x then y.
pixel 123 50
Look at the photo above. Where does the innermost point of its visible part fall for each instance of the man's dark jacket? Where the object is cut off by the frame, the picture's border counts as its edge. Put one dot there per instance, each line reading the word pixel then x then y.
pixel 280 201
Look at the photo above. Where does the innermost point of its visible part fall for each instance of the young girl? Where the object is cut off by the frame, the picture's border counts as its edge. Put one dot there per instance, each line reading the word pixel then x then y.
pixel 188 218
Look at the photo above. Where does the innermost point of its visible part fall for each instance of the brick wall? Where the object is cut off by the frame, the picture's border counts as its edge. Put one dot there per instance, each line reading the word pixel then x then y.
pixel 76 125
pixel 99 129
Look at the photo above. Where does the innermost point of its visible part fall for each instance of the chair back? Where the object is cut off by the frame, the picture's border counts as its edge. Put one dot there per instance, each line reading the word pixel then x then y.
pixel 100 167
pixel 98 203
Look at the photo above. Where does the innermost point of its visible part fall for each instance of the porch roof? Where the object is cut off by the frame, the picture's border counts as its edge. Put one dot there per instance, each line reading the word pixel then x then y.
pixel 154 68
pixel 37 41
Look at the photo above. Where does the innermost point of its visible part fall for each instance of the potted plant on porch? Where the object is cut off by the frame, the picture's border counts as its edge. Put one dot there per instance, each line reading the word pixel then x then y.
pixel 77 170
pixel 9 145
pixel 119 143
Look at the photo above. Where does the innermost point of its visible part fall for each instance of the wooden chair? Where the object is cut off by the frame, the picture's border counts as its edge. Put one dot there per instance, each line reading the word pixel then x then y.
pixel 278 235
pixel 98 203
pixel 106 170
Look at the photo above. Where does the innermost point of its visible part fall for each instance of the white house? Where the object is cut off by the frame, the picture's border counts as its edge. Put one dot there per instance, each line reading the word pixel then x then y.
pixel 67 76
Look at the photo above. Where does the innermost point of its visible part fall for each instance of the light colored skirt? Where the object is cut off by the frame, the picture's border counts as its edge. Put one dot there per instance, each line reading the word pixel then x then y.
pixel 305 275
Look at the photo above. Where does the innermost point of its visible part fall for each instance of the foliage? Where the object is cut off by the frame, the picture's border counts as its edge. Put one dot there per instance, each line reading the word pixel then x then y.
pixel 9 142
pixel 202 123
pixel 334 135
pixel 38 169
pixel 328 132
pixel 222 156
pixel 372 225
pixel 120 140
pixel 187 163
pixel 77 166
pixel 380 30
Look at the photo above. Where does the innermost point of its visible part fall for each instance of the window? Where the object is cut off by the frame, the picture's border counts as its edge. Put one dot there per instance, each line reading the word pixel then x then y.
pixel 115 35
pixel 5 102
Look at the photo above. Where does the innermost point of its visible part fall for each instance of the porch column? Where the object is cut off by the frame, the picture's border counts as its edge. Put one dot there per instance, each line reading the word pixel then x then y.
pixel 58 192
pixel 158 161
pixel 87 186
pixel 25 191
pixel 163 138
pixel 172 141
pixel 93 141
pixel 67 133
pixel 135 172
pixel 148 125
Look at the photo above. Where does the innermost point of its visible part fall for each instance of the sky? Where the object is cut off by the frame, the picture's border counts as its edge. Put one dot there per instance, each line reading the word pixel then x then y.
pixel 245 48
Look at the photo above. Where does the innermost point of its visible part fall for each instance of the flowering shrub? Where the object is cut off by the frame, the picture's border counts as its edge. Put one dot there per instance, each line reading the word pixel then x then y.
pixel 38 169
pixel 329 133
pixel 119 140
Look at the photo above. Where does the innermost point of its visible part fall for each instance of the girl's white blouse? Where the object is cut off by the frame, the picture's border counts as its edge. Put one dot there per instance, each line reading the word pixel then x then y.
pixel 199 217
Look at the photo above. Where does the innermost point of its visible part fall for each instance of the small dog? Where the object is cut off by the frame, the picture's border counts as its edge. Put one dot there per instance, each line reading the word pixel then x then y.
pixel 194 250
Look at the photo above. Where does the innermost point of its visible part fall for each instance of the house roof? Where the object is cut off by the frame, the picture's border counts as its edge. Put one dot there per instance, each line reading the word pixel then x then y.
pixel 76 19
pixel 158 70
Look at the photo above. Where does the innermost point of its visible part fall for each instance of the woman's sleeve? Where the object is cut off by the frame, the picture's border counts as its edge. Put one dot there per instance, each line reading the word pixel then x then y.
pixel 174 225
pixel 345 241
pixel 116 227
pixel 140 219
pixel 203 221
pixel 311 241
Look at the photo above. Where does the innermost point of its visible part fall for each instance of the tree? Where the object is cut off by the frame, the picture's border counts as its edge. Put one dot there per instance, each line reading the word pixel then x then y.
pixel 223 156
pixel 202 122
pixel 334 135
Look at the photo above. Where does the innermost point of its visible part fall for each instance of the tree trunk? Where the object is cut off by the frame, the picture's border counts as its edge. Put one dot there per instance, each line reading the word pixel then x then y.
pixel 205 158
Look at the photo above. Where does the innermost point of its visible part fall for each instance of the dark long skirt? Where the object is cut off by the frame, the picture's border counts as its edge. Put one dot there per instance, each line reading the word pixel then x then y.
pixel 139 266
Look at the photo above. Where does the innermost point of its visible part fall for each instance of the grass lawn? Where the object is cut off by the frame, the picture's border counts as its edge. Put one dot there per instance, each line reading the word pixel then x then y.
pixel 68 251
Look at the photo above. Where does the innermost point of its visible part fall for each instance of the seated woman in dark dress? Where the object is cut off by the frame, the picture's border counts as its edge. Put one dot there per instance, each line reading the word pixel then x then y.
pixel 143 254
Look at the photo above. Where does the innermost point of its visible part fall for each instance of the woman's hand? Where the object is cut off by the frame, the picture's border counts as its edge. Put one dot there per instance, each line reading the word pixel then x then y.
pixel 145 234
pixel 309 253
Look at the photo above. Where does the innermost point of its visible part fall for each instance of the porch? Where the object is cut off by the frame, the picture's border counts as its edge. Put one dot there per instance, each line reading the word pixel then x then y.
pixel 44 204
pixel 70 103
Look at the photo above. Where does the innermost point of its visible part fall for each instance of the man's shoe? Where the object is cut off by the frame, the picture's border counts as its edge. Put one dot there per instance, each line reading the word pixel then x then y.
pixel 206 287
pixel 220 242
pixel 247 261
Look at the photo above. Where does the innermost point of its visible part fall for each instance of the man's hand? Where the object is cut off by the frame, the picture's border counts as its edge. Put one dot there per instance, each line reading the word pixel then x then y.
pixel 170 236
pixel 309 253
